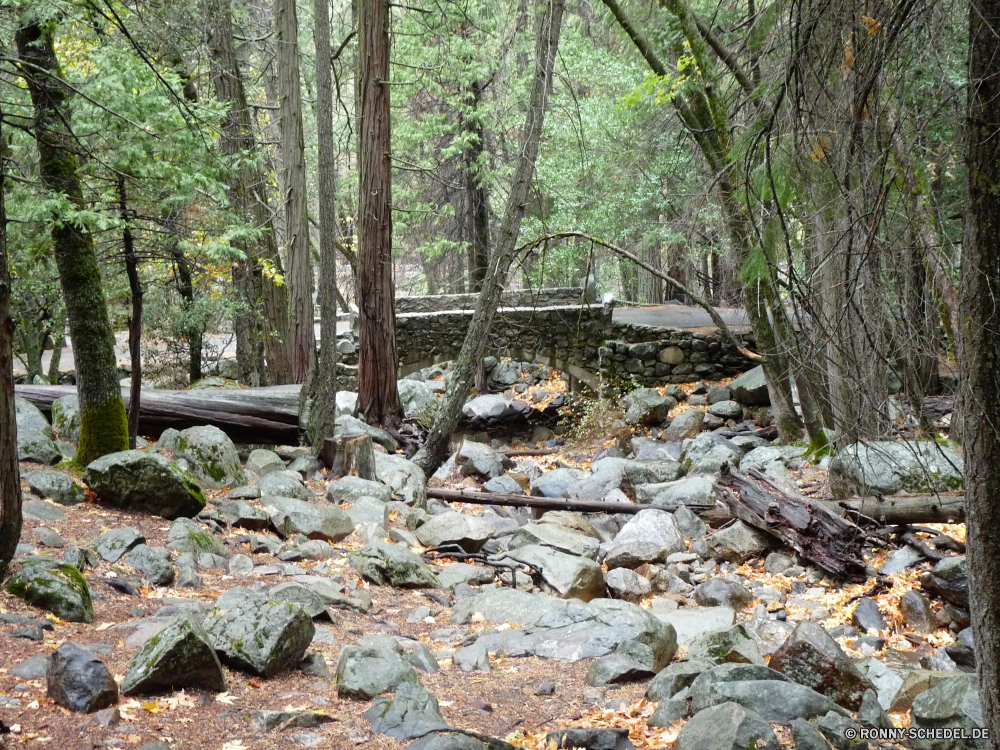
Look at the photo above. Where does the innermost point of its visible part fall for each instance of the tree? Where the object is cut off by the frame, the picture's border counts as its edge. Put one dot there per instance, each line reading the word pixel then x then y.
pixel 434 451
pixel 323 382
pixel 10 478
pixel 378 396
pixel 980 350
pixel 103 425
pixel 293 164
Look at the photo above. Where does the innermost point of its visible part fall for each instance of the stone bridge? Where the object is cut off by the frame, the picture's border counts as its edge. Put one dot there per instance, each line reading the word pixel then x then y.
pixel 564 328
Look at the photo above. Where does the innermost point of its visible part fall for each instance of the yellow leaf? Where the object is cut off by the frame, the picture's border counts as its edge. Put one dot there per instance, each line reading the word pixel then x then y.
pixel 54 619
pixel 152 707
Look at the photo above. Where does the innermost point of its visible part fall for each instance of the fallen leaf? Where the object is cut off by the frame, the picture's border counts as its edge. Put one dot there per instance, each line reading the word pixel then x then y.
pixel 234 745
pixel 225 698
pixel 255 682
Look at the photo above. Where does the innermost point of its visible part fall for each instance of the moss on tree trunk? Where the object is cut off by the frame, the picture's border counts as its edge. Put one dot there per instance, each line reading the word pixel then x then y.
pixel 102 414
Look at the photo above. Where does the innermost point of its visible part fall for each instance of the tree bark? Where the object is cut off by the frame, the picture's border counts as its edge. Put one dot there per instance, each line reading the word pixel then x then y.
pixel 475 187
pixel 322 388
pixel 293 166
pixel 979 353
pixel 261 317
pixel 10 478
pixel 549 24
pixel 103 425
pixel 135 320
pixel 378 396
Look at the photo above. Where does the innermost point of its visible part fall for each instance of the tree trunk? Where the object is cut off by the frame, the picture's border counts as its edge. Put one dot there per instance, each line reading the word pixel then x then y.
pixel 549 23
pixel 378 397
pixel 475 186
pixel 254 273
pixel 322 388
pixel 185 288
pixel 10 478
pixel 103 425
pixel 293 165
pixel 980 350
pixel 135 320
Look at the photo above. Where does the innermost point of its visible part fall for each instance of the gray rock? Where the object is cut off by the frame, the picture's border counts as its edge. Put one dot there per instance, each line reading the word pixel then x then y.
pixel 388 564
pixel 571 576
pixel 37 448
pixel 188 578
pixel 871 713
pixel 365 671
pixel 917 612
pixel 691 623
pixel 627 584
pixel 262 462
pixel 309 600
pixel 479 460
pixel 40 510
pixel 899 560
pixel 667 712
pixel 777 563
pixel 649 536
pixel 866 616
pixel 242 515
pixel 590 739
pixel 60 589
pixel 350 489
pixel 403 477
pixel 240 565
pixel 191 538
pixel 467 532
pixel 675 677
pixel 30 419
pixel 347 401
pixel 55 486
pixel 725 409
pixel 774 700
pixel 33 668
pixel 769 633
pixel 447 742
pixel 731 646
pixel 706 453
pixel 886 682
pixel 317 549
pixel 488 406
pixel 48 537
pixel 811 657
pixel 954 703
pixel 418 400
pixel 718 592
pixel 368 510
pixel 646 406
pixel 555 483
pixel 888 467
pixel 949 579
pixel 836 728
pixel 750 388
pixel 145 481
pixel 474 575
pixel 283 484
pixel 264 638
pixel 806 737
pixel 694 490
pixel 78 681
pixel 346 425
pixel 727 726
pixel 153 563
pixel 704 688
pixel 179 656
pixel 212 457
pixel 616 669
pixel 503 485
pixel 268 721
pixel 66 417
pixel 472 658
pixel 554 536
pixel 315 520
pixel 684 426
pixel 114 544
pixel 411 712
pixel 737 543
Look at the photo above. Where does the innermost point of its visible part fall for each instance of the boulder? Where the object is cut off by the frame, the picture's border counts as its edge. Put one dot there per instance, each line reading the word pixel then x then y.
pixel 367 511
pixel 259 636
pixel 474 575
pixel 727 726
pixel 917 612
pixel 467 532
pixel 949 579
pixel 347 403
pixel 811 657
pixel 652 529
pixel 726 410
pixel 646 406
pixel 773 700
pixel 419 402
pixel 954 704
pixel 504 484
pixel 866 616
pixel 386 564
pixel 114 544
pixel 66 418
pixel 60 589
pixel 262 462
pixel 750 388
pixel 691 623
pixel 153 563
pixel 403 477
pixel 30 419
pixel 350 489
pixel 590 739
pixel 77 680
pixel 315 520
pixel 242 515
pixel 731 646
pixel 212 457
pixel 718 592
pixel 703 688
pixel 346 425
pixel 55 486
pixel 706 453
pixel 179 656
pixel 37 448
pixel 310 601
pixel 411 712
pixel 673 678
pixel 555 537
pixel 479 460
pixel 284 484
pixel 693 490
pixel 571 576
pixel 628 585
pixel 145 481
pixel 188 537
pixel 888 467
pixel 365 671
pixel 684 426
pixel 737 543
pixel 487 406
pixel 556 483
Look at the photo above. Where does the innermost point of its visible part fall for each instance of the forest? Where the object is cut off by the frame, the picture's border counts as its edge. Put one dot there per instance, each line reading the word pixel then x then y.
pixel 640 359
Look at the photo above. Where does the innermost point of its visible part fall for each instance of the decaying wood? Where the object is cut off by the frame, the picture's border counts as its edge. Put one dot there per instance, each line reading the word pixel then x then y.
pixel 892 510
pixel 349 454
pixel 547 503
pixel 831 542
pixel 528 451
pixel 248 415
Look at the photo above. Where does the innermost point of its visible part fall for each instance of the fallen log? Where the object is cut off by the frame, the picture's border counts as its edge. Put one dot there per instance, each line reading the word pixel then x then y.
pixel 895 510
pixel 528 451
pixel 546 503
pixel 819 535
pixel 248 415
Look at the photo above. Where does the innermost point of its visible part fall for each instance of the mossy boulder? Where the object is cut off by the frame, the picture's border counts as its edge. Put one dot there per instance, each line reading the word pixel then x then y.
pixel 29 419
pixel 144 481
pixel 384 564
pixel 56 486
pixel 179 656
pixel 191 538
pixel 886 467
pixel 37 448
pixel 212 456
pixel 55 587
pixel 259 636
pixel 66 418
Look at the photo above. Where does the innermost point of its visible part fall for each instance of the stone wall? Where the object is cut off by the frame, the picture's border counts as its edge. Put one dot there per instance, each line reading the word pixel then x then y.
pixel 548 297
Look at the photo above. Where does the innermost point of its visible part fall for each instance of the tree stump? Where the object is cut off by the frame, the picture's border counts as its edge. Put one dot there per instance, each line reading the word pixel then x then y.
pixel 349 454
